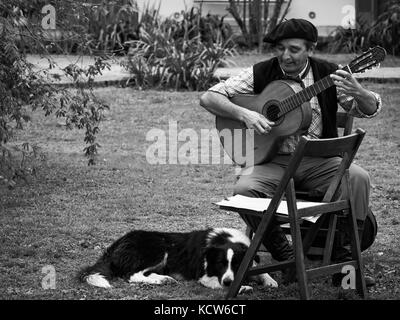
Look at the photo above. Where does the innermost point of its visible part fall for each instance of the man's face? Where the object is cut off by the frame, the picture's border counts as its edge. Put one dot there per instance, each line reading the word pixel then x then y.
pixel 292 55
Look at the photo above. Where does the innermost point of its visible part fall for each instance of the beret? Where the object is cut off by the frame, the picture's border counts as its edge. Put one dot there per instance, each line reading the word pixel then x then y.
pixel 293 28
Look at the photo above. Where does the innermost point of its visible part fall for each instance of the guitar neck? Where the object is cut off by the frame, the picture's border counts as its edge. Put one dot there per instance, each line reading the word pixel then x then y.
pixel 305 95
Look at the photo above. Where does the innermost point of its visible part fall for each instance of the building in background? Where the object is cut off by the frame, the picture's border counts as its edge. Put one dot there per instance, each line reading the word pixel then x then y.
pixel 327 15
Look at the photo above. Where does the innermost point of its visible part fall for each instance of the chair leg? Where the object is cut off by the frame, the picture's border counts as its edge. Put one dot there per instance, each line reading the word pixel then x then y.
pixel 330 238
pixel 249 256
pixel 297 242
pixel 312 233
pixel 355 241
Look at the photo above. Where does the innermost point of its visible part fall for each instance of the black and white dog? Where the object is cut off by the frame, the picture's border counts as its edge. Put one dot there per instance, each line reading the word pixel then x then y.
pixel 210 256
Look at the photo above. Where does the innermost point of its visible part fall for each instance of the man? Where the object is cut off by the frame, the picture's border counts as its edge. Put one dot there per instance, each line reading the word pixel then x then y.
pixel 294 42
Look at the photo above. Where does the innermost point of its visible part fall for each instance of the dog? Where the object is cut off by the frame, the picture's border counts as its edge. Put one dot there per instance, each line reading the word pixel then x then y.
pixel 211 256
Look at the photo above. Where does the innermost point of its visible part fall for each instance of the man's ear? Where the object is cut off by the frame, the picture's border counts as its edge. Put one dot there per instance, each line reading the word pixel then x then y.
pixel 311 50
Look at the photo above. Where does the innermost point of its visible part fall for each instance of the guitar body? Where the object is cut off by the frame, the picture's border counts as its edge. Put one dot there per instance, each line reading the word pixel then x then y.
pixel 247 149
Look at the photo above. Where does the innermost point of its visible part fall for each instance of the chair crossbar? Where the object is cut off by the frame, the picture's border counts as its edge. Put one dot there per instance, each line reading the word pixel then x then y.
pixel 323 208
pixel 327 270
pixel 270 268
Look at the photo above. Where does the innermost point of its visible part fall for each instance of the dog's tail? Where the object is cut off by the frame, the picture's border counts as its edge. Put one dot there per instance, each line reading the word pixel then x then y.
pixel 97 275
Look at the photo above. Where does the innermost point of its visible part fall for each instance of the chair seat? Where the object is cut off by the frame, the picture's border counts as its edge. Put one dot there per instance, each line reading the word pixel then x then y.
pixel 307 210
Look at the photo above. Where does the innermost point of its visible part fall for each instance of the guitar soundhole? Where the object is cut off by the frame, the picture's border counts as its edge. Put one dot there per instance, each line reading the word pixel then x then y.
pixel 272 112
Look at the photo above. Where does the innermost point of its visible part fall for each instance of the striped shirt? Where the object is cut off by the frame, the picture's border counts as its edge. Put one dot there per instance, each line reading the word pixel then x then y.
pixel 243 83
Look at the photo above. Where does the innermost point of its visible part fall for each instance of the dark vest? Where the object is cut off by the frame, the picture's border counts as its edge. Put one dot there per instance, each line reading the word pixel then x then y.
pixel 268 71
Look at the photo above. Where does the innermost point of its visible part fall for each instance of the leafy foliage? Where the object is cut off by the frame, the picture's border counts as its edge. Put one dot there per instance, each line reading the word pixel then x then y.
pixel 386 30
pixel 23 89
pixel 255 18
pixel 98 25
pixel 350 40
pixel 179 53
pixel 110 24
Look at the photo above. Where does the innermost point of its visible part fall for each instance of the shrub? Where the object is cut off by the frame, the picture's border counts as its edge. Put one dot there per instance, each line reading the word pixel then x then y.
pixel 111 24
pixel 386 30
pixel 350 40
pixel 178 54
pixel 99 25
pixel 23 89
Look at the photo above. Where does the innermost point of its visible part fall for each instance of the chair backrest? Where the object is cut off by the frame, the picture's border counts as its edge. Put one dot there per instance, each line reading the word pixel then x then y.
pixel 344 121
pixel 344 124
pixel 345 146
pixel 333 147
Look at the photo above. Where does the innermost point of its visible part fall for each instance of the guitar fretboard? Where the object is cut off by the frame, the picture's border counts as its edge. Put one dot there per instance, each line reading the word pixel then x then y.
pixel 304 95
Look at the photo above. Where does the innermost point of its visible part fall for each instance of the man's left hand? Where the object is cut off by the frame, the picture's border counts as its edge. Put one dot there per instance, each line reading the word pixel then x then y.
pixel 347 83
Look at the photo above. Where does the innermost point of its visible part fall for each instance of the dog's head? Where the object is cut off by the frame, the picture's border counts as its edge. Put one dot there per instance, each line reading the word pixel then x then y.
pixel 224 255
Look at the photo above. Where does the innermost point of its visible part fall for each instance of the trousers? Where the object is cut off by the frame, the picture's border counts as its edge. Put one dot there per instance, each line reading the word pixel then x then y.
pixel 313 174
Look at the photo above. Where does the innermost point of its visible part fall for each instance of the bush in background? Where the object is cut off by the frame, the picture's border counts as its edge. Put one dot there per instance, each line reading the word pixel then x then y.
pixel 111 24
pixel 98 25
pixel 350 40
pixel 22 90
pixel 386 30
pixel 179 53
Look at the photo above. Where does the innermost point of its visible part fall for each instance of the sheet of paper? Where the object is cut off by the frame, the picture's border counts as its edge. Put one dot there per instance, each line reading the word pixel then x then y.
pixel 261 204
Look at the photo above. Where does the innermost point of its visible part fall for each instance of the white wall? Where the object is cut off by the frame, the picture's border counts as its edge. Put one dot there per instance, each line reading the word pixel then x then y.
pixel 167 7
pixel 328 13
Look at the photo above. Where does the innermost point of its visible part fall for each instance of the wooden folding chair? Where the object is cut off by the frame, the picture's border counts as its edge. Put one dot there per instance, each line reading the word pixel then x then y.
pixel 344 123
pixel 329 208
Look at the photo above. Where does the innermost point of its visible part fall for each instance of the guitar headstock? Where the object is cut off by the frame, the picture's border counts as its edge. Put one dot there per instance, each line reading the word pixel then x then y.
pixel 372 58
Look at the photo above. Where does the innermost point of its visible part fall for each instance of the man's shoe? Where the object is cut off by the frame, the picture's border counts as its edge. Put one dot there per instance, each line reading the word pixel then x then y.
pixel 280 249
pixel 277 244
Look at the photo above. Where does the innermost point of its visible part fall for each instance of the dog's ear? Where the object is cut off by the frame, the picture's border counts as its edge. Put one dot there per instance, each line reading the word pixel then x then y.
pixel 211 249
pixel 212 253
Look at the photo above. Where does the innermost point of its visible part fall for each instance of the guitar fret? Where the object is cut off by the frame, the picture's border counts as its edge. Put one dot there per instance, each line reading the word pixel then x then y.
pixel 313 93
pixel 318 87
pixel 305 95
pixel 297 99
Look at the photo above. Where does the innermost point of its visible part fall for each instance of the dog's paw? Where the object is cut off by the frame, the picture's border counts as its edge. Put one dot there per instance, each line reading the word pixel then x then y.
pixel 245 289
pixel 210 282
pixel 267 281
pixel 160 279
pixel 152 278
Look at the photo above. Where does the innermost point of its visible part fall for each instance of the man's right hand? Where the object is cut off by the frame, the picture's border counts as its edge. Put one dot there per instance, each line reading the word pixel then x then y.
pixel 256 121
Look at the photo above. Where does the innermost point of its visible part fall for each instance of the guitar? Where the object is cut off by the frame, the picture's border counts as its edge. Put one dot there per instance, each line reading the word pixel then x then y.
pixel 287 104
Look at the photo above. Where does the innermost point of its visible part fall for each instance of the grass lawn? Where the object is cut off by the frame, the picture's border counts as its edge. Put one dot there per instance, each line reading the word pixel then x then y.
pixel 70 212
